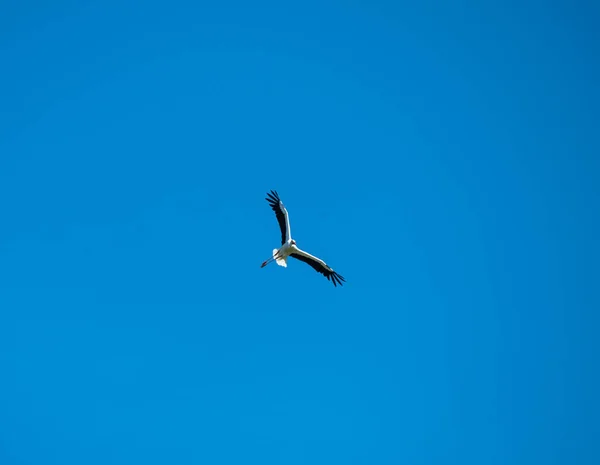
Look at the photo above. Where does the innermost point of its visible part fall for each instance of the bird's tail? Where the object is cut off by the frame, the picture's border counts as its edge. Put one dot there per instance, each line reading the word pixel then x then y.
pixel 280 261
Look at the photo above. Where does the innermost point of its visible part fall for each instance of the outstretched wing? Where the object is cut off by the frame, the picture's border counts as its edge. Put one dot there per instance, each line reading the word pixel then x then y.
pixel 281 214
pixel 318 265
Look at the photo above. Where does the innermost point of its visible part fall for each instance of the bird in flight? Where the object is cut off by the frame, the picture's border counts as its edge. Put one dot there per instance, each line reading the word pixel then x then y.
pixel 288 245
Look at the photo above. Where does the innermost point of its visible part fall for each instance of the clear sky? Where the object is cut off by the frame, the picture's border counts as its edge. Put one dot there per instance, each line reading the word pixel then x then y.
pixel 443 159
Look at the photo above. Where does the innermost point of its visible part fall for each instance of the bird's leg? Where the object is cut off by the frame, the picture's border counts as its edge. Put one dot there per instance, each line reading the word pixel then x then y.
pixel 266 262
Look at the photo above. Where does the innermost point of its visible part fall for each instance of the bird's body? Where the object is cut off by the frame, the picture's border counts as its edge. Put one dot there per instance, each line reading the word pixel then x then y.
pixel 282 253
pixel 290 249
pixel 287 249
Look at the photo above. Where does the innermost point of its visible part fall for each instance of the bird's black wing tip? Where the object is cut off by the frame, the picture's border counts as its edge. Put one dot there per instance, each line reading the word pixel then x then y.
pixel 273 197
pixel 338 278
pixel 334 278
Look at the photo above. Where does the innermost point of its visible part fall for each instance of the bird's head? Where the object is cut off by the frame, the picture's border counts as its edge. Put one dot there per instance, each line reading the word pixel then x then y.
pixel 293 242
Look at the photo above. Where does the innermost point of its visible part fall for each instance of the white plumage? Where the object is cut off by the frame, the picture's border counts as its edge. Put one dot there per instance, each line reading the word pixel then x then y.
pixel 288 245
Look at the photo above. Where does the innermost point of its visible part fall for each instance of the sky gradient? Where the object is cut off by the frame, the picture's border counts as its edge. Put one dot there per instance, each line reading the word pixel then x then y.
pixel 443 159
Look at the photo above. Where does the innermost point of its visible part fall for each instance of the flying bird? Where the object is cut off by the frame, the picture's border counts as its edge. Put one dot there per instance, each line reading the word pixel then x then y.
pixel 288 245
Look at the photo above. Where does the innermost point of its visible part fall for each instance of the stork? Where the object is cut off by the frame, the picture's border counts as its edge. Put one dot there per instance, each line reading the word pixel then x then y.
pixel 288 245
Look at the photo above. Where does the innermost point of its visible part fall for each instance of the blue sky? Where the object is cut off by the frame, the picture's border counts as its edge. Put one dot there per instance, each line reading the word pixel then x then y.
pixel 444 159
